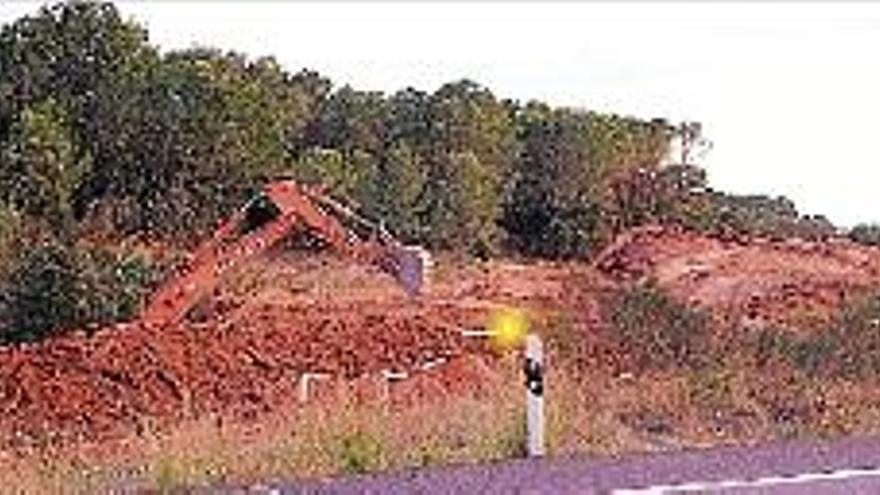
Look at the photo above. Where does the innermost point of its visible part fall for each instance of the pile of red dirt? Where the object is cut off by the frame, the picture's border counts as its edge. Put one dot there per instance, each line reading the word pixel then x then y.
pixel 119 378
pixel 246 351
pixel 792 283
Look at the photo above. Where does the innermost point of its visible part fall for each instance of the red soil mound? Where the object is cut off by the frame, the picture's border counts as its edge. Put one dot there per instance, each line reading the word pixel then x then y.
pixel 121 377
pixel 252 344
pixel 757 281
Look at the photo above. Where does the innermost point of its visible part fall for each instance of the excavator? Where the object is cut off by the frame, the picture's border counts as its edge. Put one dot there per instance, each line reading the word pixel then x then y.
pixel 282 207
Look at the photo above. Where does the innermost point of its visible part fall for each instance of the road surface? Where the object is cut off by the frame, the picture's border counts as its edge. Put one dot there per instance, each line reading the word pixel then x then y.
pixel 847 466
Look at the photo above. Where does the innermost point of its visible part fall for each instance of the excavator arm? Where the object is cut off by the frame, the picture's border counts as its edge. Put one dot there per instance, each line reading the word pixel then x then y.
pixel 267 219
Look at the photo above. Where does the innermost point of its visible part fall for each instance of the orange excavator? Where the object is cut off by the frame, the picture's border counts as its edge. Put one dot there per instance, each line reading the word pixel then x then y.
pixel 282 207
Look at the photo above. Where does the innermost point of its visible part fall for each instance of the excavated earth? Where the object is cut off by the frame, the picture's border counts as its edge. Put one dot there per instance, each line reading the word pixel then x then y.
pixel 247 349
pixel 793 283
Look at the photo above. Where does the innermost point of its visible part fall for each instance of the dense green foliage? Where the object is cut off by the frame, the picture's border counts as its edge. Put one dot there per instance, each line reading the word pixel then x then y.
pixel 102 134
pixel 560 202
pixel 94 119
pixel 764 216
pixel 55 286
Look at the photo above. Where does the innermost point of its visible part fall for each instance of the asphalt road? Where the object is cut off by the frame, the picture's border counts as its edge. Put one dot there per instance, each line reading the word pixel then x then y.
pixel 847 466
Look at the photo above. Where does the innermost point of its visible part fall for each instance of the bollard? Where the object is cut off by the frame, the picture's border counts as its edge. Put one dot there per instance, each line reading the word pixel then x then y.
pixel 533 367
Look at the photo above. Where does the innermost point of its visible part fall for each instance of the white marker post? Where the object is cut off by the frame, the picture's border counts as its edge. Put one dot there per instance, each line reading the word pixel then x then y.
pixel 304 381
pixel 533 369
pixel 533 366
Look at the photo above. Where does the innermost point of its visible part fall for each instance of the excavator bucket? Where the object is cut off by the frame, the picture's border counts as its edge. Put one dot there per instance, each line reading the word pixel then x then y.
pixel 412 268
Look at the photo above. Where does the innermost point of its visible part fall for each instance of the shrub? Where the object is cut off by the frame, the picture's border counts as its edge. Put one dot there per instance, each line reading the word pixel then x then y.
pixel 360 452
pixel 849 347
pixel 41 294
pixel 656 331
pixel 855 339
pixel 711 386
pixel 562 336
pixel 869 235
pixel 811 354
pixel 56 287
pixel 116 283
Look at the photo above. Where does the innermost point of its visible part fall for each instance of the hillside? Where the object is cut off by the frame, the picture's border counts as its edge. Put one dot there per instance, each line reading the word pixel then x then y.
pixel 298 313
pixel 674 315
pixel 753 282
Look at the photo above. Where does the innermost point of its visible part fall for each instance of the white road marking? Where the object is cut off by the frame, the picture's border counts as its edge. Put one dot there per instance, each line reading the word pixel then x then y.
pixel 757 483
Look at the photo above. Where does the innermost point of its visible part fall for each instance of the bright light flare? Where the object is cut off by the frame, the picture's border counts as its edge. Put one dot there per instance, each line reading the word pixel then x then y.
pixel 507 328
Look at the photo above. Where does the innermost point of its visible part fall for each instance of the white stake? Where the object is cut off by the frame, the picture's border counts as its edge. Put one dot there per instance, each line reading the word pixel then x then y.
pixel 304 381
pixel 533 367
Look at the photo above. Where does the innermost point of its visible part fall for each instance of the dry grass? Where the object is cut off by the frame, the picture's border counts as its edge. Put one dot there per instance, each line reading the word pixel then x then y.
pixel 589 411
pixel 338 435
pixel 342 434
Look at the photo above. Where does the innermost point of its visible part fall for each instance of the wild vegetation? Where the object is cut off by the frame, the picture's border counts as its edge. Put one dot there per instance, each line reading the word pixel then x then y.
pixel 867 234
pixel 108 144
pixel 103 134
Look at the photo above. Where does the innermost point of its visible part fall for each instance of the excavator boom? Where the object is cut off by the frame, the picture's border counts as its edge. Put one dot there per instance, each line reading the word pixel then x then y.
pixel 262 223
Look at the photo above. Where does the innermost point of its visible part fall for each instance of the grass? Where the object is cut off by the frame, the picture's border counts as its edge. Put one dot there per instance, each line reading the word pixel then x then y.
pixel 340 435
pixel 588 412
pixel 335 437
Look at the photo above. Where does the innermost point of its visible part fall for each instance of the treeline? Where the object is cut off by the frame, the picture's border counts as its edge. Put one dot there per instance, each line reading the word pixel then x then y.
pixel 98 129
pixel 104 136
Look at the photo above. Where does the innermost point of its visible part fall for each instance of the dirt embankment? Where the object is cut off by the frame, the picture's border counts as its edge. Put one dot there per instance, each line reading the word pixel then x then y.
pixel 246 351
pixel 249 347
pixel 759 282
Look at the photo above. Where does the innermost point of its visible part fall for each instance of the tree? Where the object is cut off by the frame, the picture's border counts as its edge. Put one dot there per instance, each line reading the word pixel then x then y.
pixel 352 125
pixel 619 143
pixel 212 129
pixel 91 63
pixel 11 239
pixel 555 204
pixel 402 176
pixel 670 194
pixel 472 148
pixel 41 169
pixel 474 201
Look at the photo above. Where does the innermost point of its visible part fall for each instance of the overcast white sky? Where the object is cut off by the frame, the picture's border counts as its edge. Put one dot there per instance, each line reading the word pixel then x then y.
pixel 787 92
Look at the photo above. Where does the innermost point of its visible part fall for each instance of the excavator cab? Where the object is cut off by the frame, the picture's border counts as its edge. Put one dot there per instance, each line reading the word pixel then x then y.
pixel 259 211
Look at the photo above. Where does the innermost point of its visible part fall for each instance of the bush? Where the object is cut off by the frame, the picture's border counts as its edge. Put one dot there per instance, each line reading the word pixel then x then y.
pixel 855 339
pixel 869 235
pixel 656 331
pixel 41 294
pixel 56 287
pixel 116 284
pixel 811 354
pixel 759 215
pixel 360 452
pixel 849 347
